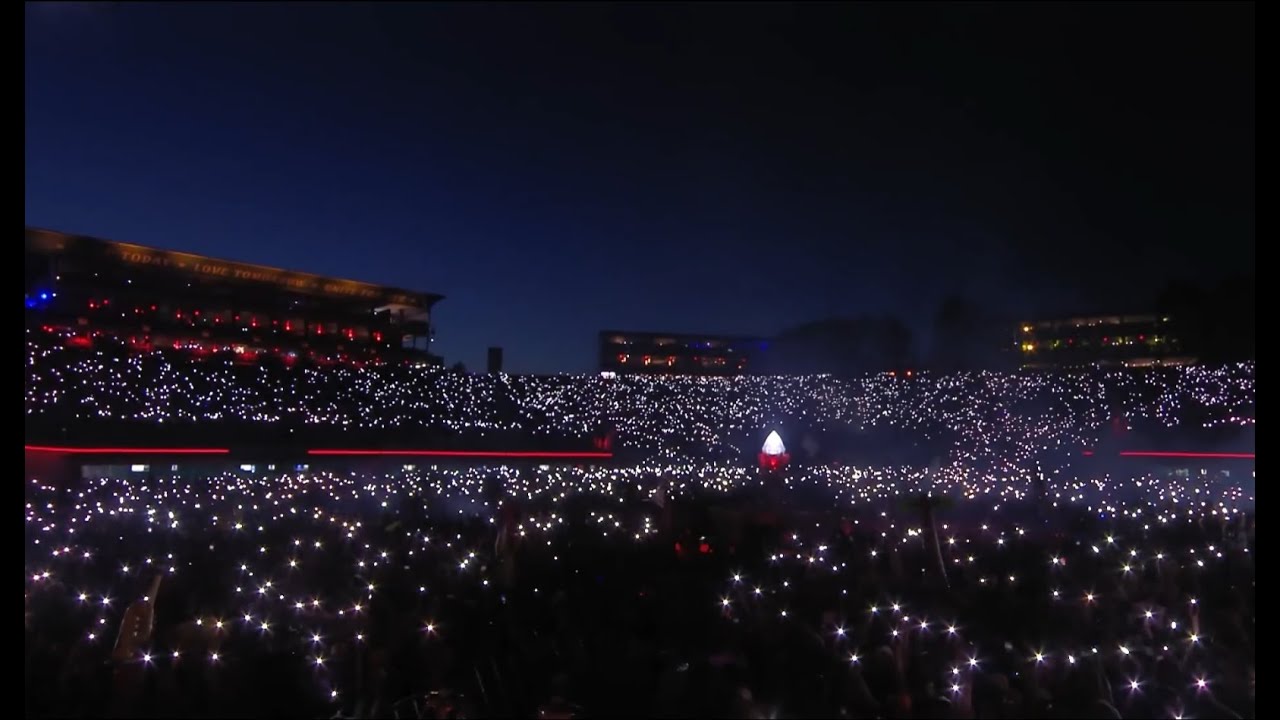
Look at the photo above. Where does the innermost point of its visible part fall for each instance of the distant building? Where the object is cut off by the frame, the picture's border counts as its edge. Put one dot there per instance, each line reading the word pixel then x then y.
pixel 157 298
pixel 1133 340
pixel 495 360
pixel 678 354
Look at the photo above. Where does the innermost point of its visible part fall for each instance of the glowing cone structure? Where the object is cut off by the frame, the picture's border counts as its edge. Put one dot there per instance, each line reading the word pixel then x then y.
pixel 773 456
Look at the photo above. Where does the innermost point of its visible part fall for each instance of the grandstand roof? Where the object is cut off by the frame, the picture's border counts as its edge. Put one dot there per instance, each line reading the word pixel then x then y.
pixel 109 253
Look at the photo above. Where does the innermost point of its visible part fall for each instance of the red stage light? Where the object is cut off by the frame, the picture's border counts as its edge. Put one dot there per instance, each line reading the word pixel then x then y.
pixel 1205 455
pixel 1180 454
pixel 529 454
pixel 124 451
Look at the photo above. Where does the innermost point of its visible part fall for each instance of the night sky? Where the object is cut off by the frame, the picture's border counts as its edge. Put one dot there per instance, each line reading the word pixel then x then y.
pixel 555 170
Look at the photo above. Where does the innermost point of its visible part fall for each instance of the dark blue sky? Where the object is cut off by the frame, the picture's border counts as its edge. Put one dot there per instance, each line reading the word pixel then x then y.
pixel 560 169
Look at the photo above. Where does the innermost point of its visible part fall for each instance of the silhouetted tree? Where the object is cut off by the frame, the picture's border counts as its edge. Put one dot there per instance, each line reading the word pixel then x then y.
pixel 956 326
pixel 843 346
pixel 1215 324
pixel 968 337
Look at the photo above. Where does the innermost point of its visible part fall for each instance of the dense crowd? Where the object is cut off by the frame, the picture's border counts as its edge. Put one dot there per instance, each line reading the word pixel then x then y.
pixel 989 571
pixel 1005 418
pixel 560 591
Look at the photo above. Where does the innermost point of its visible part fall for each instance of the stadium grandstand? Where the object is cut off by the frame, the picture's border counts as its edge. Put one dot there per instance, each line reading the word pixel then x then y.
pixel 151 298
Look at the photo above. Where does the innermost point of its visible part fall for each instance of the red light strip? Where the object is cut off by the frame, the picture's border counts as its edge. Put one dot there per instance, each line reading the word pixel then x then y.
pixel 467 453
pixel 1205 455
pixel 124 451
pixel 374 453
pixel 1175 454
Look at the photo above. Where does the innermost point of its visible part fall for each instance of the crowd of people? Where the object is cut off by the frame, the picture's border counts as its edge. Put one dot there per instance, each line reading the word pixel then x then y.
pixel 1008 417
pixel 565 592
pixel 993 571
